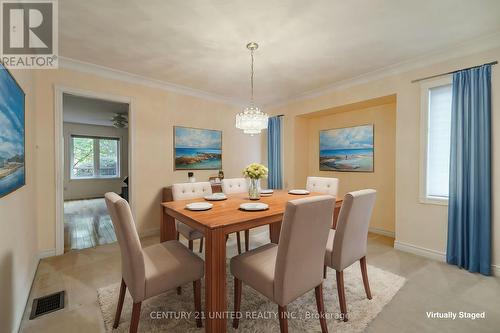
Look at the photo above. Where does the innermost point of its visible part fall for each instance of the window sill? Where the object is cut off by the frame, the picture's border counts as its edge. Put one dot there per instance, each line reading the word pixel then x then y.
pixel 434 201
pixel 94 178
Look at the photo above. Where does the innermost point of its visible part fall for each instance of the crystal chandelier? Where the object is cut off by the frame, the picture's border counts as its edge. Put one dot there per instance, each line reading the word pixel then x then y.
pixel 251 120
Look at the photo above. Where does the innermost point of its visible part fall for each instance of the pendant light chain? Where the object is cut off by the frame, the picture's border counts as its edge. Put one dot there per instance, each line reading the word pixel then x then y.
pixel 251 79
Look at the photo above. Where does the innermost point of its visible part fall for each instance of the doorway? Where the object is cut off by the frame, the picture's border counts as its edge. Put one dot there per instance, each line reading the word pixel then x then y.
pixel 94 158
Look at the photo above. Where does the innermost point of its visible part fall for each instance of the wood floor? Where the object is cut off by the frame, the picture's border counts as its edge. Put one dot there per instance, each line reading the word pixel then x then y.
pixel 87 224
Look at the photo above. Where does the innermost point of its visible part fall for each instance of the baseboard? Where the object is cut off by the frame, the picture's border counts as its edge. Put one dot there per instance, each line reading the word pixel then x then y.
pixel 32 274
pixel 420 251
pixel 382 232
pixel 433 254
pixel 150 232
pixel 46 253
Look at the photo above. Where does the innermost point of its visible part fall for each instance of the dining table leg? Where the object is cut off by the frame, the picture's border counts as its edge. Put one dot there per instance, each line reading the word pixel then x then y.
pixel 167 227
pixel 274 232
pixel 215 281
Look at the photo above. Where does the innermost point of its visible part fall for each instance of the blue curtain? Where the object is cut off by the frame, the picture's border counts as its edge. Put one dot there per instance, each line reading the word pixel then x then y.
pixel 274 154
pixel 469 209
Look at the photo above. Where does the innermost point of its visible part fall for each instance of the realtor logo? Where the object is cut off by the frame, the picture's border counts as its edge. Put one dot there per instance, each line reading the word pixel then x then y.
pixel 29 34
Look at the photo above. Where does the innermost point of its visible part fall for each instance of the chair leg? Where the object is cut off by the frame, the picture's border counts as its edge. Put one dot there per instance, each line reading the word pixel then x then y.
pixel 324 271
pixel 237 301
pixel 179 290
pixel 247 240
pixel 178 236
pixel 364 273
pixel 119 306
pixel 136 314
pixel 341 292
pixel 283 319
pixel 197 302
pixel 201 245
pixel 190 245
pixel 321 308
pixel 238 239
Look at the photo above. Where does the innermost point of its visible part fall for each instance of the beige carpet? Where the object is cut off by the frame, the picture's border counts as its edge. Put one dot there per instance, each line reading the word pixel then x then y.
pixel 384 285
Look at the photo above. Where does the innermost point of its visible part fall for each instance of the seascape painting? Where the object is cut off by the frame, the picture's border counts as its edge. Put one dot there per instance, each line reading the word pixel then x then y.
pixel 346 149
pixel 197 149
pixel 12 171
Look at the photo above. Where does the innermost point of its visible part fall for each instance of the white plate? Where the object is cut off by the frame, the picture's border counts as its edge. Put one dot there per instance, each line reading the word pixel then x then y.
pixel 266 191
pixel 299 192
pixel 216 197
pixel 254 206
pixel 199 206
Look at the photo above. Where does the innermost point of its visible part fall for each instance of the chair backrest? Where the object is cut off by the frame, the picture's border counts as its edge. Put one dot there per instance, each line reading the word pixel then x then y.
pixel 130 246
pixel 324 185
pixel 234 185
pixel 351 235
pixel 185 191
pixel 301 249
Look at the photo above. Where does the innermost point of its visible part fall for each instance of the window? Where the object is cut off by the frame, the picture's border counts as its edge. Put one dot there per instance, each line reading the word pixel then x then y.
pixel 94 157
pixel 436 133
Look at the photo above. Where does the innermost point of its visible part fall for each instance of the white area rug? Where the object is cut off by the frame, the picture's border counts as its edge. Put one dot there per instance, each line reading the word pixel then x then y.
pixel 384 285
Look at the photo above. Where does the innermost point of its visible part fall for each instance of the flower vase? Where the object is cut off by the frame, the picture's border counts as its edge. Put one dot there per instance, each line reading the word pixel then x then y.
pixel 254 190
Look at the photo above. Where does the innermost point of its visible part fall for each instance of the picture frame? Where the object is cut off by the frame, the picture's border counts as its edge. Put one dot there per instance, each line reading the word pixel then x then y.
pixel 13 140
pixel 197 148
pixel 347 149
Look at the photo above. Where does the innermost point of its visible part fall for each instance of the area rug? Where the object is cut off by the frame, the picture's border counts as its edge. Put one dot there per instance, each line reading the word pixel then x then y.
pixel 170 312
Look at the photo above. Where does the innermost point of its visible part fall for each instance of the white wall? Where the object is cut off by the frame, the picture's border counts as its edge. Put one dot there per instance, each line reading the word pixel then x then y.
pixel 18 229
pixel 93 188
pixel 419 227
pixel 154 112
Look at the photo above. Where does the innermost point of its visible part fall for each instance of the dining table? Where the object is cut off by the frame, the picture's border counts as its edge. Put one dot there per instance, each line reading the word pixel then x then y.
pixel 223 218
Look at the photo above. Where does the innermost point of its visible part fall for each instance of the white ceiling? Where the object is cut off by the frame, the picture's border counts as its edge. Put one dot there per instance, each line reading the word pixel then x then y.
pixel 304 45
pixel 82 110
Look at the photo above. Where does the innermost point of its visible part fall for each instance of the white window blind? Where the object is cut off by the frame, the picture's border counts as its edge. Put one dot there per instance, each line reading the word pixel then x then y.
pixel 438 141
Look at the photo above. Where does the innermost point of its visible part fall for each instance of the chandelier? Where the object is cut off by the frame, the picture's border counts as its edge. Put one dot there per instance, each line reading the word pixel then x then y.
pixel 251 120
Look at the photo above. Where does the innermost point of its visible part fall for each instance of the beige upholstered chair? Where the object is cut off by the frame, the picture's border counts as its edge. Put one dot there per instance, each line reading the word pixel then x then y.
pixel 347 244
pixel 233 186
pixel 323 185
pixel 186 191
pixel 286 271
pixel 153 270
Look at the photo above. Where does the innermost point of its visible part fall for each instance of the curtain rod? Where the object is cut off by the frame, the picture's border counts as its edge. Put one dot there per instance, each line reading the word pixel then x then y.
pixel 452 72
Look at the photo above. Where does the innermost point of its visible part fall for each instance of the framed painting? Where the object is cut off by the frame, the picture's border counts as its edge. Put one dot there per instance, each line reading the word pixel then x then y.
pixel 347 149
pixel 197 149
pixel 12 138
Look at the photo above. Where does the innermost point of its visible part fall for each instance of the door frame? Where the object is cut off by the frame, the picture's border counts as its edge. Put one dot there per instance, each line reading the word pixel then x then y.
pixel 59 91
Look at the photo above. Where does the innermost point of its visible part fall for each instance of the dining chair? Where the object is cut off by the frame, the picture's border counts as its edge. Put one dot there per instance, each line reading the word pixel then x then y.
pixel 152 270
pixel 285 271
pixel 324 185
pixel 186 191
pixel 233 186
pixel 347 244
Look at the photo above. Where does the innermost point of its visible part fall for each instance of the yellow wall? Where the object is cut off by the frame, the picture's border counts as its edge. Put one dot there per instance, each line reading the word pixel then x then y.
pixel 418 225
pixel 18 228
pixel 155 112
pixel 383 117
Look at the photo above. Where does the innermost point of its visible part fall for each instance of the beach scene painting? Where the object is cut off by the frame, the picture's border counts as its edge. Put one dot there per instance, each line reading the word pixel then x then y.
pixel 12 171
pixel 346 149
pixel 197 149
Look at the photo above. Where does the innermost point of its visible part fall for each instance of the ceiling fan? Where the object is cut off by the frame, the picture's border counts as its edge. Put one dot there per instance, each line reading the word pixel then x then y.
pixel 120 120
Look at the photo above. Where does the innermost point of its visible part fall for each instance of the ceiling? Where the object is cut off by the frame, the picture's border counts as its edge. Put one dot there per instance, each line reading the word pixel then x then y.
pixel 83 110
pixel 304 45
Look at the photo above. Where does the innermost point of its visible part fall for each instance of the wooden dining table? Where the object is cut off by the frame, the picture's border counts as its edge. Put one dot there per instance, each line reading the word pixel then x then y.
pixel 224 218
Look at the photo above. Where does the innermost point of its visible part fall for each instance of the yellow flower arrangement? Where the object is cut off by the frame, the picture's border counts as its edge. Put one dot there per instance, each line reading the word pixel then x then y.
pixel 255 171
